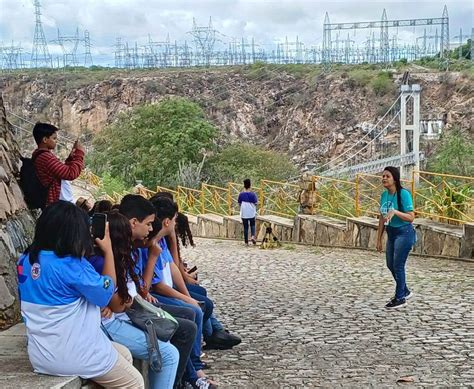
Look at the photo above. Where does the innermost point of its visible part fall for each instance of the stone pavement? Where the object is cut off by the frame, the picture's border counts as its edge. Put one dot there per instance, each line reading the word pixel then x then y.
pixel 314 317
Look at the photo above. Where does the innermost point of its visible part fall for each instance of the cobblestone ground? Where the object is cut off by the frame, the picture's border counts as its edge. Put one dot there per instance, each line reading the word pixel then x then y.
pixel 314 317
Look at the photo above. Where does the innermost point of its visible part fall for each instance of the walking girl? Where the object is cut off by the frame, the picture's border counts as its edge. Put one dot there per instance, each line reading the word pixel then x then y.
pixel 396 217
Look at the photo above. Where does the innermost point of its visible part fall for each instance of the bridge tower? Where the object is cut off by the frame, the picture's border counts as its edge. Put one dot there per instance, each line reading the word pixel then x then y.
pixel 410 127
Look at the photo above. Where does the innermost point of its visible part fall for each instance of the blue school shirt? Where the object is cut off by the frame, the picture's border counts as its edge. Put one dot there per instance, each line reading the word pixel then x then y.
pixel 248 205
pixel 60 300
pixel 390 201
pixel 162 271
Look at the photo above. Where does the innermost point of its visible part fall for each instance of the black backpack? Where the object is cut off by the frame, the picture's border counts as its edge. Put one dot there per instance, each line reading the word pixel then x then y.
pixel 34 192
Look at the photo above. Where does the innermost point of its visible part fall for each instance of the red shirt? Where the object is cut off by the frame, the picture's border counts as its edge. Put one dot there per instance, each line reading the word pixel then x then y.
pixel 50 171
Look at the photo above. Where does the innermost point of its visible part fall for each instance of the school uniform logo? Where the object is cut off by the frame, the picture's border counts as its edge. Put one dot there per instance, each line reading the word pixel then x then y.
pixel 35 271
pixel 106 283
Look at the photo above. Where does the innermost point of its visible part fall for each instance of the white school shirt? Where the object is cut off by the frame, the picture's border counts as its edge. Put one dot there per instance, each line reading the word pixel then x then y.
pixel 60 300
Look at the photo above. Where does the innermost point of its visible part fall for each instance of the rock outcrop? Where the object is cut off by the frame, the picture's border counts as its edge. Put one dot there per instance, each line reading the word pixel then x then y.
pixel 16 223
pixel 312 117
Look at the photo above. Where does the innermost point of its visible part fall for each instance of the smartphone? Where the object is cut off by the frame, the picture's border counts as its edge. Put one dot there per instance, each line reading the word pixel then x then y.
pixel 192 270
pixel 98 225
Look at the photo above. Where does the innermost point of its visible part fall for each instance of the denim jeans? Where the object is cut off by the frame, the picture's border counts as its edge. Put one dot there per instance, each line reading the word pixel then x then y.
pixel 246 223
pixel 196 350
pixel 212 324
pixel 399 243
pixel 184 337
pixel 123 332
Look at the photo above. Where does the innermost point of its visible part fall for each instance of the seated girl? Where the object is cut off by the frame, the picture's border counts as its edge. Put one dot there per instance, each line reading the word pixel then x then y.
pixel 115 321
pixel 61 295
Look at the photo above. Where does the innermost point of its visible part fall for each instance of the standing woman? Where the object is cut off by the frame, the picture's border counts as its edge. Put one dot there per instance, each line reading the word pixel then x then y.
pixel 397 215
pixel 248 211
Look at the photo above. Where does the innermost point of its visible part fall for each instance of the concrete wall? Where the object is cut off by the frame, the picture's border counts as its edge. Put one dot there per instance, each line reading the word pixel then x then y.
pixel 433 238
pixel 16 223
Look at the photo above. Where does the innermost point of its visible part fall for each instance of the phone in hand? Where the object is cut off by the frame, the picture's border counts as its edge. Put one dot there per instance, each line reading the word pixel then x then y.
pixel 192 270
pixel 98 225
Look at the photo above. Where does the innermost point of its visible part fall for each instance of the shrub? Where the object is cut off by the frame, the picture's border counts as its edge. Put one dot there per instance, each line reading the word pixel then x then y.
pixel 382 84
pixel 238 161
pixel 360 77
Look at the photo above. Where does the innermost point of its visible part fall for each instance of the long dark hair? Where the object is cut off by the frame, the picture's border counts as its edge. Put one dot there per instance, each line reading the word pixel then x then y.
pixel 64 229
pixel 122 246
pixel 396 177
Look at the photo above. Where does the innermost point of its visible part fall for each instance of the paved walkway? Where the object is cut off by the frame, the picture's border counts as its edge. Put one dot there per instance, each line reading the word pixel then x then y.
pixel 314 317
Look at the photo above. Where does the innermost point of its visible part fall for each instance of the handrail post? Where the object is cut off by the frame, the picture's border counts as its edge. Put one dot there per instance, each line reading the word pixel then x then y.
pixel 357 196
pixel 413 189
pixel 203 207
pixel 229 200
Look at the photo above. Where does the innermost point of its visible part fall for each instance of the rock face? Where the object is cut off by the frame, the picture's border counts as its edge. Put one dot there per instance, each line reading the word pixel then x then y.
pixel 16 223
pixel 312 117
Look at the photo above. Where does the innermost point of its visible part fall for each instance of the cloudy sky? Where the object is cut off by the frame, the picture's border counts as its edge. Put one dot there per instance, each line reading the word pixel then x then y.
pixel 266 21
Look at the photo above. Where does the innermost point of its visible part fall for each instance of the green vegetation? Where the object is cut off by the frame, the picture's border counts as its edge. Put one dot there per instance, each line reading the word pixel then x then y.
pixel 149 142
pixel 236 162
pixel 382 84
pixel 360 77
pixel 111 185
pixel 454 154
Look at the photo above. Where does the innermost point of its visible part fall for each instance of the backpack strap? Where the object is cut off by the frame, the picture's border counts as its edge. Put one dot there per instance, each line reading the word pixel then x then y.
pixel 154 355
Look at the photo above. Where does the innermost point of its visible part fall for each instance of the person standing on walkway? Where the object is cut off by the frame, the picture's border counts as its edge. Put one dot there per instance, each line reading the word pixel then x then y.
pixel 52 173
pixel 396 216
pixel 248 211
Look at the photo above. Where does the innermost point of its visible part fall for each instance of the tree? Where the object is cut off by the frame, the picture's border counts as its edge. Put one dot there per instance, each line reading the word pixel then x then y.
pixel 238 161
pixel 454 155
pixel 149 142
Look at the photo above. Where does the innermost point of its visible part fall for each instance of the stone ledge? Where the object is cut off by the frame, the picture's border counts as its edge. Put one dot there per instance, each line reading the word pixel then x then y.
pixel 365 220
pixel 447 229
pixel 16 370
pixel 234 218
pixel 325 220
pixel 276 220
pixel 211 217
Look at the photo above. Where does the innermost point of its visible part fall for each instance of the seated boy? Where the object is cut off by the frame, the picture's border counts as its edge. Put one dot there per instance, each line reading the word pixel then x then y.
pixel 141 215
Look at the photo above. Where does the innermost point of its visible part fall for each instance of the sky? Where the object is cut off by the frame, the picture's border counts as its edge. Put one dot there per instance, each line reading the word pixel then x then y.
pixel 266 21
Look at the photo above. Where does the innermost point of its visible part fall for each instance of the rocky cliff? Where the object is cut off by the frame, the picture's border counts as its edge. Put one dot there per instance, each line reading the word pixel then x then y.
pixel 311 115
pixel 16 222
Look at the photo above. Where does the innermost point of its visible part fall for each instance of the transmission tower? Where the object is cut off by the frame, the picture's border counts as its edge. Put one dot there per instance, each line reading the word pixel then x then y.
pixel 119 52
pixel 204 39
pixel 444 33
pixel 384 40
pixel 40 56
pixel 87 49
pixel 69 44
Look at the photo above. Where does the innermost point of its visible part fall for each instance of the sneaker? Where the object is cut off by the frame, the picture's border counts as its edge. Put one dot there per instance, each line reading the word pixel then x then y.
pixel 394 304
pixel 407 297
pixel 203 383
pixel 221 340
pixel 254 241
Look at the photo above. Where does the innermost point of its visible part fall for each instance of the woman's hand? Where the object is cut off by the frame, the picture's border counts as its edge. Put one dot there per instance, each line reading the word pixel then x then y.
pixel 151 299
pixel 379 245
pixel 105 244
pixel 106 313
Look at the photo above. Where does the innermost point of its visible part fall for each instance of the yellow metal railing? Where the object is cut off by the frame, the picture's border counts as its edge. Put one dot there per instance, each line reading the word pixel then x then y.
pixel 163 189
pixel 334 197
pixel 441 197
pixel 368 190
pixel 444 197
pixel 279 198
pixel 234 190
pixel 215 199
pixel 145 192
pixel 189 200
pixel 90 178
